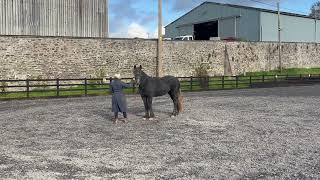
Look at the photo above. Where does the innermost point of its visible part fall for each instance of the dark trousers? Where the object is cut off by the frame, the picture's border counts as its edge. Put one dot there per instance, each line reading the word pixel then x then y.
pixel 124 114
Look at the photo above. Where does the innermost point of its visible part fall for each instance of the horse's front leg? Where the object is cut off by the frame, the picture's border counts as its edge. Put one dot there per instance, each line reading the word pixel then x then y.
pixel 145 102
pixel 149 99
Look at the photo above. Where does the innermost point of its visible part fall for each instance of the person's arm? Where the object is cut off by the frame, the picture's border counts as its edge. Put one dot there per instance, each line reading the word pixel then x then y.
pixel 127 85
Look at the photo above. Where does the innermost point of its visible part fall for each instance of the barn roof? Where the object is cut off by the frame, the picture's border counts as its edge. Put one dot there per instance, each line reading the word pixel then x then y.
pixel 245 7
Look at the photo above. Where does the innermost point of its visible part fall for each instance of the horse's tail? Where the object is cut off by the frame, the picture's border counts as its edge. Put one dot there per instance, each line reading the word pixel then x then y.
pixel 180 101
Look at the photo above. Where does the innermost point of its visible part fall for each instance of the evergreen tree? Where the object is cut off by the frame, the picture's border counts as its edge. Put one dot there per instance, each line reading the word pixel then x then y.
pixel 315 10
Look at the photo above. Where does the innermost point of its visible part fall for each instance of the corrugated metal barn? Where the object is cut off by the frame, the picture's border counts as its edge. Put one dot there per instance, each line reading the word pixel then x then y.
pixel 212 19
pixel 77 18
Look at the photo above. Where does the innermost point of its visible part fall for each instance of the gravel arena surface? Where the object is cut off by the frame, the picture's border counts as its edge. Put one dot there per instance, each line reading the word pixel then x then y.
pixel 271 133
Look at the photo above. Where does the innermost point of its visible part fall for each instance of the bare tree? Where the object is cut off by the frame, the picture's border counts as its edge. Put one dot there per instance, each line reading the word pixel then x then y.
pixel 315 10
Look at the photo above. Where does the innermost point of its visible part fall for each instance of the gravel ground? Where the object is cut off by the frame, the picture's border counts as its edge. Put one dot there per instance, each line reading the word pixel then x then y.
pixel 238 134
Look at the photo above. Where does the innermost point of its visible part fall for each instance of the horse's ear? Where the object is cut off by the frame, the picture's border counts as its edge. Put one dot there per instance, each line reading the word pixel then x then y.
pixel 135 67
pixel 140 67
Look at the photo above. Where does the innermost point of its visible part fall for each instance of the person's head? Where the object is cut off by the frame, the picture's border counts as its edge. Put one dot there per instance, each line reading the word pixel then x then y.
pixel 117 76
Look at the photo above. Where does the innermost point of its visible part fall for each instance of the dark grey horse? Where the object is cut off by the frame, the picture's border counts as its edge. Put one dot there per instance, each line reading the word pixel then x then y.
pixel 150 87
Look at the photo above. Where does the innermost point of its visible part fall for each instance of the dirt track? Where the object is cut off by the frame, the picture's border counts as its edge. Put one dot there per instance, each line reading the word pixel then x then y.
pixel 237 134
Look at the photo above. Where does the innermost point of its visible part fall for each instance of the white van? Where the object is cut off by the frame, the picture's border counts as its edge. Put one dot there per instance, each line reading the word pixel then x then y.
pixel 184 38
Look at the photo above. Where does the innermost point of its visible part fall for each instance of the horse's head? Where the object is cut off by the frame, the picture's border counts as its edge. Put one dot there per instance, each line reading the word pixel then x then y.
pixel 137 72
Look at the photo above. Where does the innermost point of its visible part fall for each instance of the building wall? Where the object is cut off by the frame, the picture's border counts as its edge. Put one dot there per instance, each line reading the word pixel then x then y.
pixel 29 57
pixel 294 29
pixel 247 24
pixel 318 30
pixel 227 28
pixel 77 18
pixel 73 57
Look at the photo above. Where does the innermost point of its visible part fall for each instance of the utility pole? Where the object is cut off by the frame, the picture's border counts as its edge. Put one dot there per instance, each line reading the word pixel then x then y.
pixel 279 36
pixel 316 9
pixel 107 19
pixel 160 45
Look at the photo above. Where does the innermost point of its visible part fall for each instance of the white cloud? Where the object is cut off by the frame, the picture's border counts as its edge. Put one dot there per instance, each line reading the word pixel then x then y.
pixel 136 30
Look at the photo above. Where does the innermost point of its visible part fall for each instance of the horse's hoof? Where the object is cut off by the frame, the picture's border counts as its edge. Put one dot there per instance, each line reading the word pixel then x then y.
pixel 144 118
pixel 172 116
pixel 150 119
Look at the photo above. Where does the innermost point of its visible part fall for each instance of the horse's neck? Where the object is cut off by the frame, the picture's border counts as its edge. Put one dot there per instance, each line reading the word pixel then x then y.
pixel 144 77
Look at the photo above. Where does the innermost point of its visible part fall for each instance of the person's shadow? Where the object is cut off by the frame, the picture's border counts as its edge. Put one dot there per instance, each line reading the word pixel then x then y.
pixel 103 114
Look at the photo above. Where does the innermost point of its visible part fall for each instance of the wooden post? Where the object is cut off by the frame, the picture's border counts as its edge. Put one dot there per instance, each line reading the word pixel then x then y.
pixel 222 82
pixel 110 84
pixel 279 36
pixel 237 82
pixel 28 88
pixel 85 87
pixel 191 83
pixel 58 87
pixel 160 45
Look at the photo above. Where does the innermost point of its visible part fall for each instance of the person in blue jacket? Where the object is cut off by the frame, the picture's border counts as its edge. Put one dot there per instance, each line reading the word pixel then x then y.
pixel 119 103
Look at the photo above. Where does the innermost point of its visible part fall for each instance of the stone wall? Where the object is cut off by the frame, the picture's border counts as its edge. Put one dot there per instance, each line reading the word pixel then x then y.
pixel 54 57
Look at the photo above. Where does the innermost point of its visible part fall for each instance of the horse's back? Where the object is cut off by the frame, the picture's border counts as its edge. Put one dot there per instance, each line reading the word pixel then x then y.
pixel 159 86
pixel 172 82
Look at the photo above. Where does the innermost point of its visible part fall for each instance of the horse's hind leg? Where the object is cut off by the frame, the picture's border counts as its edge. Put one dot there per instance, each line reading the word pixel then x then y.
pixel 149 101
pixel 174 98
pixel 145 102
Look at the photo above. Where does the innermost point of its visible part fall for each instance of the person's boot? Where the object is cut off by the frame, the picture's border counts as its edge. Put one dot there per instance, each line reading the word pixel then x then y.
pixel 124 120
pixel 125 117
pixel 115 120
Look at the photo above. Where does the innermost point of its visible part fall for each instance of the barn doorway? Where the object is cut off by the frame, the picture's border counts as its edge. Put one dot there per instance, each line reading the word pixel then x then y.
pixel 206 30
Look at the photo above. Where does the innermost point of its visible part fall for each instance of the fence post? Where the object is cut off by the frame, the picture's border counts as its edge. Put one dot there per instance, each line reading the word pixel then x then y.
pixel 207 82
pixel 212 83
pixel 58 88
pixel 237 82
pixel 191 83
pixel 300 77
pixel 222 79
pixel 110 80
pixel 85 86
pixel 28 88
pixel 250 81
pixel 263 78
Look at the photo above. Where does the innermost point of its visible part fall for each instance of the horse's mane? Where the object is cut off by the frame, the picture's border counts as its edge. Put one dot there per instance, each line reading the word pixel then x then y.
pixel 146 76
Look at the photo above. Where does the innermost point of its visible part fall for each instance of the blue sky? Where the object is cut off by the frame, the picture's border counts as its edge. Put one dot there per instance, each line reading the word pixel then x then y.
pixel 138 18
